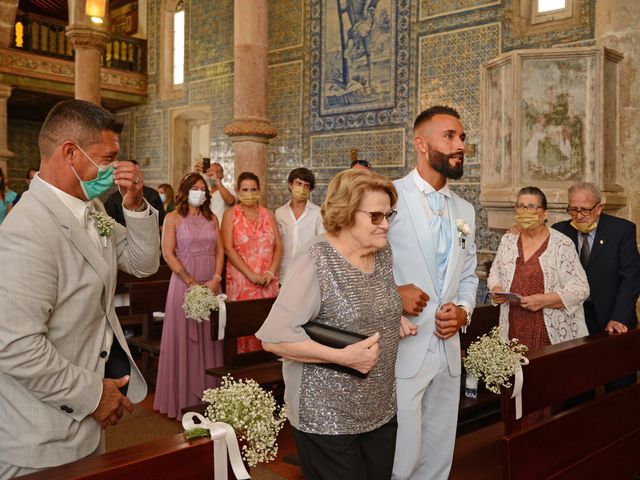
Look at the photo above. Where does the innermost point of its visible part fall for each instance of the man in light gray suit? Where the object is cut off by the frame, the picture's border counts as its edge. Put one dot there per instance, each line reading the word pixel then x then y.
pixel 64 361
pixel 434 261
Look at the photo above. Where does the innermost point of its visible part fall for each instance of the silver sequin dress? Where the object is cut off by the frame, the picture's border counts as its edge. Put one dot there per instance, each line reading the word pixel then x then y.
pixel 324 287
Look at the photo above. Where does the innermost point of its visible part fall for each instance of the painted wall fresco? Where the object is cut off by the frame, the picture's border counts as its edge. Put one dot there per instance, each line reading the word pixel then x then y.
pixel 359 63
pixel 555 99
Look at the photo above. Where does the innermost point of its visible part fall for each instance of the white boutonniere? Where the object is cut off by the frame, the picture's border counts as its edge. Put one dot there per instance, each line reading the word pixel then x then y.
pixel 104 223
pixel 463 230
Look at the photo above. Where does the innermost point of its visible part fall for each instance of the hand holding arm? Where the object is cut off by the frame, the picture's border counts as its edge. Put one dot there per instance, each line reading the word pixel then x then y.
pixel 449 319
pixel 413 299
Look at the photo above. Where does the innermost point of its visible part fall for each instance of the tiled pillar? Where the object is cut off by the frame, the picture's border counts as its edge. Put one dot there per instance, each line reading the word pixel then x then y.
pixel 5 154
pixel 250 130
pixel 88 44
pixel 618 27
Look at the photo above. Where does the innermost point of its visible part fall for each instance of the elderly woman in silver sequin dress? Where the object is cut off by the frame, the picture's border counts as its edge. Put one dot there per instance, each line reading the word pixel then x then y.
pixel 345 426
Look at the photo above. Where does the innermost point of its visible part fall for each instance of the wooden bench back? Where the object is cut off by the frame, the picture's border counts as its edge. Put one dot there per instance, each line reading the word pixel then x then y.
pixel 244 318
pixel 562 371
pixel 483 319
pixel 147 296
pixel 596 439
pixel 163 273
pixel 169 458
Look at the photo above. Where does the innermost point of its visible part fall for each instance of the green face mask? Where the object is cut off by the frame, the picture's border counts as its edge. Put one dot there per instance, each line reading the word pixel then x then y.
pixel 99 185
pixel 584 228
pixel 299 193
pixel 528 220
pixel 249 199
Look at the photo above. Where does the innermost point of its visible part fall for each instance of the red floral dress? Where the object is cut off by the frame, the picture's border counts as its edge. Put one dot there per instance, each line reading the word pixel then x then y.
pixel 254 240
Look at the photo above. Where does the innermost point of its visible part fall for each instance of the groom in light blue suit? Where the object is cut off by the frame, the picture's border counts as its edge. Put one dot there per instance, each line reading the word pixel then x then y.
pixel 434 262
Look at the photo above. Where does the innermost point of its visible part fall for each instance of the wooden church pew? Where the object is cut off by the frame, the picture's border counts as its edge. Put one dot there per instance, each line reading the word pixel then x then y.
pixel 169 458
pixel 597 439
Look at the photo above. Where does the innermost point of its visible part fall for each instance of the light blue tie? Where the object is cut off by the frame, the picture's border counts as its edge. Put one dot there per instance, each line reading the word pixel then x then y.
pixel 441 231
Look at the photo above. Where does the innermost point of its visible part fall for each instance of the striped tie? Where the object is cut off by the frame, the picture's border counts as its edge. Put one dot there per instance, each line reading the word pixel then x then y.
pixel 585 251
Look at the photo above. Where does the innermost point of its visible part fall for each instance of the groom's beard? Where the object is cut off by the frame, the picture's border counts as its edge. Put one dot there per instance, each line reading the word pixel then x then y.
pixel 440 163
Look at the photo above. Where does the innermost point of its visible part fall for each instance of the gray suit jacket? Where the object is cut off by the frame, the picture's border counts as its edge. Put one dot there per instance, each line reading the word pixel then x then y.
pixel 56 315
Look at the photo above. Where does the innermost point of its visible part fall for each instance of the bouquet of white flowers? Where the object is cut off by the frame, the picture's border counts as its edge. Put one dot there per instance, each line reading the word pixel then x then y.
pixel 199 301
pixel 253 414
pixel 491 359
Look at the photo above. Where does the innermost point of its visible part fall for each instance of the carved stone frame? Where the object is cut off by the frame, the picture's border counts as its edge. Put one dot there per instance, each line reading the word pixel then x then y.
pixel 507 128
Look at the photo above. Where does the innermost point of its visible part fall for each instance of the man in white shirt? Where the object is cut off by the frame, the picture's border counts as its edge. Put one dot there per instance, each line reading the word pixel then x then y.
pixel 222 197
pixel 299 220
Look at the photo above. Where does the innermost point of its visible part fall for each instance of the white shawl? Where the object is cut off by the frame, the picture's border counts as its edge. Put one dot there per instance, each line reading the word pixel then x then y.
pixel 563 274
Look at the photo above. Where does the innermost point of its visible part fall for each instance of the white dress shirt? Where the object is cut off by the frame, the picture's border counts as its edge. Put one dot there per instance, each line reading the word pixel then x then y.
pixel 296 233
pixel 218 205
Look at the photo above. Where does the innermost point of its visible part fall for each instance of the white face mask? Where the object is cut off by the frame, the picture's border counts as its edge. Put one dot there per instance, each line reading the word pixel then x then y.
pixel 197 198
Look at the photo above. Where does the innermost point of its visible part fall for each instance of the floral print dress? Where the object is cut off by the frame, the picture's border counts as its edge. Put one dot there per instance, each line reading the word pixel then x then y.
pixel 254 240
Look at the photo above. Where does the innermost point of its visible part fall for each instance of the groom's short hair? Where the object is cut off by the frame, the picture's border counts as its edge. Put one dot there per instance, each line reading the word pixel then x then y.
pixel 435 110
pixel 75 120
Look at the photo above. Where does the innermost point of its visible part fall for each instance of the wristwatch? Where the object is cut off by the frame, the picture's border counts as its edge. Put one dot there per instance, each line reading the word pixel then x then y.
pixel 463 328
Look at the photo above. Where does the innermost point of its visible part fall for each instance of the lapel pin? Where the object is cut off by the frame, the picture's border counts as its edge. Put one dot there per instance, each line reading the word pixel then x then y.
pixel 601 242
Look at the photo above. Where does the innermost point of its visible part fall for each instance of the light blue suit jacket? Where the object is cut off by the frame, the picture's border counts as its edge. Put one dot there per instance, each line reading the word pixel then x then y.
pixel 414 261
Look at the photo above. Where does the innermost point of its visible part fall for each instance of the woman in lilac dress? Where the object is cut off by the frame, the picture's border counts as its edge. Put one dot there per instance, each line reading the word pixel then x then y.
pixel 192 248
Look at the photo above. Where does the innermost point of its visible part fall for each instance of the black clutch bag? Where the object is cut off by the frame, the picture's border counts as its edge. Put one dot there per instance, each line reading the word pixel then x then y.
pixel 335 338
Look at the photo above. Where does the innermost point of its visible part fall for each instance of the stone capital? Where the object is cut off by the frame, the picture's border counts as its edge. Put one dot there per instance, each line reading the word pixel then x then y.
pixel 5 154
pixel 82 36
pixel 5 91
pixel 261 130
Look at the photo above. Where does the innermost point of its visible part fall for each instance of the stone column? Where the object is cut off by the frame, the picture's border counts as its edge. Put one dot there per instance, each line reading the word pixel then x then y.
pixel 618 27
pixel 88 44
pixel 250 130
pixel 5 154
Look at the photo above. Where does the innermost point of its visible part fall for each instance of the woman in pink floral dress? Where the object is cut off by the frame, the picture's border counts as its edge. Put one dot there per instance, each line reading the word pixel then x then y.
pixel 254 250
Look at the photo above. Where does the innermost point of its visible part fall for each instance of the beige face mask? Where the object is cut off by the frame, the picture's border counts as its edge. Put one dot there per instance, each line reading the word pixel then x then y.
pixel 249 199
pixel 528 220
pixel 299 193
pixel 583 227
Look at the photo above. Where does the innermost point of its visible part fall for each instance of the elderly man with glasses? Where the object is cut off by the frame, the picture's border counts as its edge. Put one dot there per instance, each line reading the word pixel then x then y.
pixel 609 254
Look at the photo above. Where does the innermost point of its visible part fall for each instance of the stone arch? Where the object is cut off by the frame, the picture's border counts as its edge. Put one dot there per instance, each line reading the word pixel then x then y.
pixel 185 124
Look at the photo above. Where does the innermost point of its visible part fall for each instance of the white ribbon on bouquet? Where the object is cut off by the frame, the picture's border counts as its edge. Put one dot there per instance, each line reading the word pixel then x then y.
pixel 222 315
pixel 224 439
pixel 517 385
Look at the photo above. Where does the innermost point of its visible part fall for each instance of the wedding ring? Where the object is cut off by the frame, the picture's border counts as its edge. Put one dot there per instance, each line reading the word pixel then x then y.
pixel 136 180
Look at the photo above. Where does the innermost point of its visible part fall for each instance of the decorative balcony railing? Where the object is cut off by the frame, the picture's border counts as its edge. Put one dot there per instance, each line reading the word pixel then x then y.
pixel 46 36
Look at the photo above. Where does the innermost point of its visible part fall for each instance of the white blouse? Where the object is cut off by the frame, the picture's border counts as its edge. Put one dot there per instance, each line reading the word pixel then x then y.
pixel 563 274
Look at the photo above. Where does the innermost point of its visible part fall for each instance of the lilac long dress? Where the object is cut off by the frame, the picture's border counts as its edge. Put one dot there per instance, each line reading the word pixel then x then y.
pixel 186 349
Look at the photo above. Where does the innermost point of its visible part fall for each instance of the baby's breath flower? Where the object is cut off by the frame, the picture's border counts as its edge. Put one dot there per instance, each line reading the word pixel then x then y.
pixel 252 413
pixel 198 303
pixel 491 359
pixel 103 222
